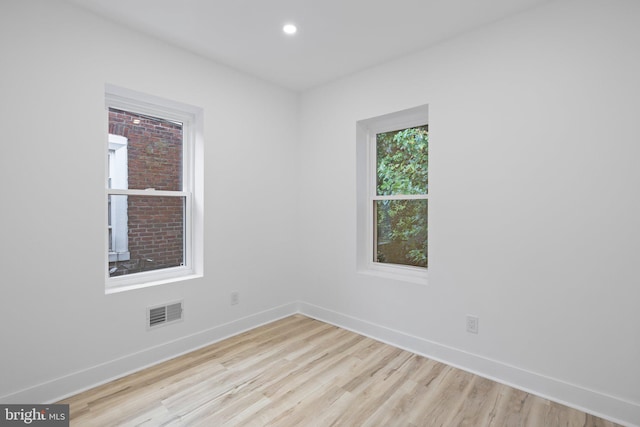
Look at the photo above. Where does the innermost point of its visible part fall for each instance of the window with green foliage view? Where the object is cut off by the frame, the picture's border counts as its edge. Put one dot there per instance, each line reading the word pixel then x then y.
pixel 401 200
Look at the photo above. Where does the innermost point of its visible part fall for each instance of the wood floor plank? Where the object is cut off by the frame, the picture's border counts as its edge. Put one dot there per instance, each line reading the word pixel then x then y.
pixel 478 404
pixel 302 372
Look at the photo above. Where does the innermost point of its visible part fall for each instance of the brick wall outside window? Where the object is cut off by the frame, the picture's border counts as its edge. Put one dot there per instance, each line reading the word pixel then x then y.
pixel 156 224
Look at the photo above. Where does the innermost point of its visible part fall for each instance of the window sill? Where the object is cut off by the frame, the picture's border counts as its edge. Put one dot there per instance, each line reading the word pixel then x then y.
pixel 414 275
pixel 113 288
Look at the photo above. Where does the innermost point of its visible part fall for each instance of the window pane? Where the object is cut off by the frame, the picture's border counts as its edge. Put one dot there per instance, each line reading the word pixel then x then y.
pixel 153 232
pixel 153 152
pixel 401 232
pixel 402 159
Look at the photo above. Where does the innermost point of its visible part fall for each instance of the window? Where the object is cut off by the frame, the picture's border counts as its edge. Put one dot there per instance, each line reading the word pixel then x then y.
pixel 400 200
pixel 152 206
pixel 393 163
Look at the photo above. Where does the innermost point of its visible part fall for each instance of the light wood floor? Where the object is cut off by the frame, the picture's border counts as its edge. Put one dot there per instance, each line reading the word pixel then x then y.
pixel 303 372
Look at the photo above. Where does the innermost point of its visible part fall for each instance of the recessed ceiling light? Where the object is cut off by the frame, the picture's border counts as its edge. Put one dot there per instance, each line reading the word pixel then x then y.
pixel 289 29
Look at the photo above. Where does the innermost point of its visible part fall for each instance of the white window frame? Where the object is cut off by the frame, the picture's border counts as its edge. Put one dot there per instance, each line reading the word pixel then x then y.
pixel 192 191
pixel 366 131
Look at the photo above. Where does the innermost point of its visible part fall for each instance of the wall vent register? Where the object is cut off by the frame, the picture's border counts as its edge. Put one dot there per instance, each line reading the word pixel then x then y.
pixel 164 314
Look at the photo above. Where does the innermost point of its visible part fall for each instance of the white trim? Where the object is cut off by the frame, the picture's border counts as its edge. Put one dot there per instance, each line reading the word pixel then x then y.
pixel 403 273
pixel 110 370
pixel 409 118
pixel 145 279
pixel 148 192
pixel 600 404
pixel 131 100
pixel 401 197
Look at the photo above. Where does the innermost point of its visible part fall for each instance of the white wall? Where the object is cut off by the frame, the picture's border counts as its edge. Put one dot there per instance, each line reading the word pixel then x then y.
pixel 534 210
pixel 60 332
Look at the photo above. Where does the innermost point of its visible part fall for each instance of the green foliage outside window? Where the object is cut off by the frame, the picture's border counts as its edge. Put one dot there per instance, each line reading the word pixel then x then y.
pixel 402 159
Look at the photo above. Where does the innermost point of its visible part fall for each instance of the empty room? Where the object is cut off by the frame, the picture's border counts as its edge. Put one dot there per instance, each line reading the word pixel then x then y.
pixel 320 213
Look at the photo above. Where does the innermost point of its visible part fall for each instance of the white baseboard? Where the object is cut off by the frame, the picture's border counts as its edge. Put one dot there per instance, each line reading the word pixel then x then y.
pixel 60 388
pixel 599 404
pixel 590 401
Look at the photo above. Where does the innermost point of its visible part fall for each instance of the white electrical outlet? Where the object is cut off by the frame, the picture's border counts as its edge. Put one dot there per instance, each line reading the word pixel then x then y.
pixel 235 298
pixel 472 324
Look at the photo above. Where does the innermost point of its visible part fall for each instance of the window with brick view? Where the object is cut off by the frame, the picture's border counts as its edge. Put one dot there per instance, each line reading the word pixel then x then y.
pixel 145 194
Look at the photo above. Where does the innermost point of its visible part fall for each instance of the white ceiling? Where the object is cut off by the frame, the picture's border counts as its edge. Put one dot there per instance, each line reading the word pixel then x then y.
pixel 335 37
